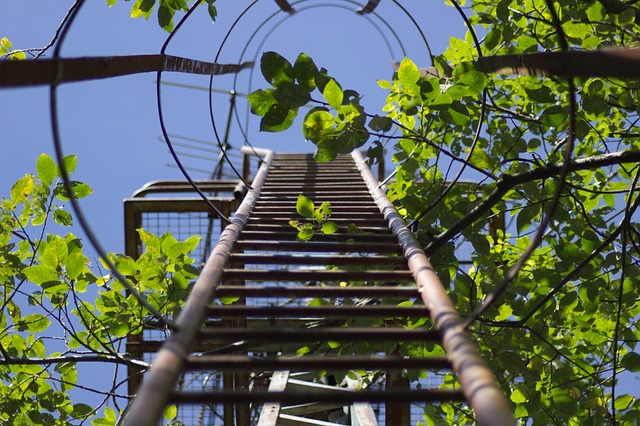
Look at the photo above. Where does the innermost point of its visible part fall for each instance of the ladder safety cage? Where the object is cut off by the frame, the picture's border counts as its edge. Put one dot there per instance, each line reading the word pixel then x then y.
pixel 292 326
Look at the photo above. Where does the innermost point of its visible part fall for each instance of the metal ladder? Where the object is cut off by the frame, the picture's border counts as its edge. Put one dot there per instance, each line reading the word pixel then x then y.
pixel 307 332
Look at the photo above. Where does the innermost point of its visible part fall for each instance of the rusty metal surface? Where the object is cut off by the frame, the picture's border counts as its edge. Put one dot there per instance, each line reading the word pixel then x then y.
pixel 48 71
pixel 337 334
pixel 292 363
pixel 615 62
pixel 317 291
pixel 342 396
pixel 317 311
pixel 478 382
pixel 148 407
pixel 335 260
pixel 321 275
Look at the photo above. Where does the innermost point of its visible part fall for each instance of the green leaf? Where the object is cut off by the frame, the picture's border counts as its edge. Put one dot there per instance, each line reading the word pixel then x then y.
pixel 296 224
pixel 14 310
pixel 555 116
pixel 34 323
pixel 323 212
pixel 170 412
pixel 62 217
pixel 191 243
pixel 261 101
pixel 520 411
pixel 110 414
pixel 317 124
pixel 518 397
pixel 5 43
pixel 322 78
pixel 492 39
pixel 380 124
pixel 527 43
pixel 324 155
pixel 305 71
pixel 631 362
pixel 81 411
pixel 213 12
pixel 165 17
pixel 408 72
pixel 596 11
pixel 47 169
pixel 109 418
pixel 22 188
pixel 127 266
pixel 526 217
pixel 333 94
pixel 278 118
pixel 142 8
pixel 467 73
pixel 305 207
pixel 166 241
pixel 74 264
pixel 40 274
pixel 306 233
pixel 276 69
pixel 505 313
pixel 54 253
pixel 78 189
pixel 290 95
pixel 151 241
pixel 459 114
pixel 54 289
pixel 329 228
pixel 69 162
pixel 375 154
pixel 623 402
pixel 18 56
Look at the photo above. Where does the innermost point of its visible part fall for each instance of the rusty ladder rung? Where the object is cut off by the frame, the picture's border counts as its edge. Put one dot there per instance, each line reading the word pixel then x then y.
pixel 335 260
pixel 320 275
pixel 303 363
pixel 365 311
pixel 317 291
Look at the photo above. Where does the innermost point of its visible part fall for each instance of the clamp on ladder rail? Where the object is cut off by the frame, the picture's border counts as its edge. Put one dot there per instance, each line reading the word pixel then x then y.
pixel 294 306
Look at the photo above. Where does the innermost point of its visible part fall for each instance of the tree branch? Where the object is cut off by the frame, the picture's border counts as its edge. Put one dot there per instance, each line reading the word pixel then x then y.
pixel 507 182
pixel 75 359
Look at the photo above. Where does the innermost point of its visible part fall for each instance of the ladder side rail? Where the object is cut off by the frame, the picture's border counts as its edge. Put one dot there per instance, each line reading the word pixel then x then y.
pixel 478 382
pixel 149 404
pixel 271 410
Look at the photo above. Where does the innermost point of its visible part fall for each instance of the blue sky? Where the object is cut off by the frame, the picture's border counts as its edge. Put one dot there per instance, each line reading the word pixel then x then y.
pixel 112 125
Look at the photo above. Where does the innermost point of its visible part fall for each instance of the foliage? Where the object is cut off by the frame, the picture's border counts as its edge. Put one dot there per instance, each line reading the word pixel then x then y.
pixel 319 219
pixel 567 325
pixel 57 310
pixel 166 10
pixel 5 50
pixel 334 133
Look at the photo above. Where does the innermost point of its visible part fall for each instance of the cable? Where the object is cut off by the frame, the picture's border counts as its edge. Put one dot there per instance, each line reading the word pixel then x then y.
pixel 163 128
pixel 67 184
